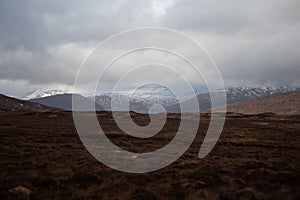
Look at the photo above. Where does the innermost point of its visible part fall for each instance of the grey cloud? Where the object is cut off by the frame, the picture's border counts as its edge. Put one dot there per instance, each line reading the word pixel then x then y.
pixel 251 41
pixel 44 42
pixel 208 16
pixel 232 17
pixel 35 24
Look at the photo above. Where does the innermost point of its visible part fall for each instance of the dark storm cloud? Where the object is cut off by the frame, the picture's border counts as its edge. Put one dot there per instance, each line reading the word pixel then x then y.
pixel 44 42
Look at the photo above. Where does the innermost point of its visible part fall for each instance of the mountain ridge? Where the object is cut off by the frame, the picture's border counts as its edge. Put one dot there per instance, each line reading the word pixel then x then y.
pixel 142 99
pixel 233 95
pixel 65 101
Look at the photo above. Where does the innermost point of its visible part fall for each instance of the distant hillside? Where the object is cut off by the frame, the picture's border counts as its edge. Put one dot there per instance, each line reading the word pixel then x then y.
pixel 284 104
pixel 234 95
pixel 9 104
pixel 64 101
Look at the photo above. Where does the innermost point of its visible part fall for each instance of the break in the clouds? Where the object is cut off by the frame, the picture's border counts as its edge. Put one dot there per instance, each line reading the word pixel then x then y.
pixel 42 44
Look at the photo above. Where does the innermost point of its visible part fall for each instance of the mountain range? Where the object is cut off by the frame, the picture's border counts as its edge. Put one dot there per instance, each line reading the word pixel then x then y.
pixel 246 100
pixel 233 95
pixel 142 99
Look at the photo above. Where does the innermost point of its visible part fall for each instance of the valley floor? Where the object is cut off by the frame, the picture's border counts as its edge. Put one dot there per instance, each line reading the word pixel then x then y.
pixel 257 157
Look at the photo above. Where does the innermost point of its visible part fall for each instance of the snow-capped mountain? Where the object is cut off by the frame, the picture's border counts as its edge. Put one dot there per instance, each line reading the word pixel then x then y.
pixel 237 94
pixel 41 93
pixel 140 99
pixel 234 95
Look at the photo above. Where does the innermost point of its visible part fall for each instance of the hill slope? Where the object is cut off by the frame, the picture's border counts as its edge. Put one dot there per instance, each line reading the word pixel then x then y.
pixel 9 104
pixel 285 104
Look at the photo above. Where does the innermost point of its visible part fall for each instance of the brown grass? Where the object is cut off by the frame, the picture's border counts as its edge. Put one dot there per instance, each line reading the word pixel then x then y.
pixel 257 157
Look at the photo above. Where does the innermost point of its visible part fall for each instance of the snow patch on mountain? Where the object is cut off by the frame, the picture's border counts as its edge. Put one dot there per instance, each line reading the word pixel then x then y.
pixel 39 93
pixel 141 99
pixel 245 93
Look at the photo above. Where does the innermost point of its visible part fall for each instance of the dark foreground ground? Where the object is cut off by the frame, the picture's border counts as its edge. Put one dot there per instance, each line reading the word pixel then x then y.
pixel 257 157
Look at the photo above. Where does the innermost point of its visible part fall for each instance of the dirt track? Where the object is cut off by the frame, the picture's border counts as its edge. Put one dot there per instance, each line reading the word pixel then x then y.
pixel 257 157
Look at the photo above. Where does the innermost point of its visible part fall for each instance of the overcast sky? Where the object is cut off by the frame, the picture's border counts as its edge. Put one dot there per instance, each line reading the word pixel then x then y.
pixel 42 44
